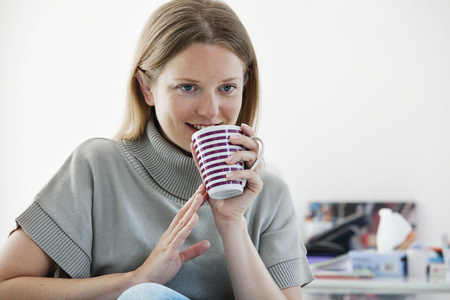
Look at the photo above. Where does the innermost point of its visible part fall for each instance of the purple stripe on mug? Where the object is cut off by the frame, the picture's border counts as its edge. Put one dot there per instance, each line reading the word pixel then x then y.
pixel 218 179
pixel 212 159
pixel 217 139
pixel 220 170
pixel 227 144
pixel 210 164
pixel 224 144
pixel 214 136
pixel 215 178
pixel 220 142
pixel 223 164
pixel 221 131
pixel 227 151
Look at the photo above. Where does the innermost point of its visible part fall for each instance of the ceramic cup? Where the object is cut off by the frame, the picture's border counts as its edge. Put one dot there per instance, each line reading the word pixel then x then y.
pixel 212 147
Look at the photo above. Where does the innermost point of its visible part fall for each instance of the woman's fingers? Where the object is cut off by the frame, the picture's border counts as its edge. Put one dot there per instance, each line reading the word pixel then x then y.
pixel 184 227
pixel 183 230
pixel 254 182
pixel 185 208
pixel 252 147
pixel 167 258
pixel 194 251
pixel 249 157
pixel 185 218
pixel 248 130
pixel 245 141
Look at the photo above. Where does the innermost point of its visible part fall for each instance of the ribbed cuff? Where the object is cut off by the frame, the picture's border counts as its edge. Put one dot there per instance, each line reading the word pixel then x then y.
pixel 290 273
pixel 49 236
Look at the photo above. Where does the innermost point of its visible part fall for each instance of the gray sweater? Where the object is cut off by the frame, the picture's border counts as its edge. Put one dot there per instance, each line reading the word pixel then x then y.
pixel 106 208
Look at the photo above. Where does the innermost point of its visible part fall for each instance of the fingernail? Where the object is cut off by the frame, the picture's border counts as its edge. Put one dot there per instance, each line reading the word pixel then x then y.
pixel 230 175
pixel 233 137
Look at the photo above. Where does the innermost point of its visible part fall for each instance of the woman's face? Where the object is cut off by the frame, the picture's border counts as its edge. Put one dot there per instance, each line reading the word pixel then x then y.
pixel 201 86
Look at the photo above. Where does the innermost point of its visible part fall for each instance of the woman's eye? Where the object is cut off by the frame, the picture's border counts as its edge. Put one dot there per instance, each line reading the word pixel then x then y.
pixel 187 87
pixel 228 88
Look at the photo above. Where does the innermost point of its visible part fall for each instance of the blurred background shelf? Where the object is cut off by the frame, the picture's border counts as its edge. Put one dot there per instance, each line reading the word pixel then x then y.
pixel 382 288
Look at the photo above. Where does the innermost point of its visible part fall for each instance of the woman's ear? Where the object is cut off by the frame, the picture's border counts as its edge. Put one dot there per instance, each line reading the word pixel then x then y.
pixel 145 89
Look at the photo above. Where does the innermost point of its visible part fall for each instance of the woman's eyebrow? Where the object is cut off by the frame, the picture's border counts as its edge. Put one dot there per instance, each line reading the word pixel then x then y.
pixel 196 81
pixel 232 79
pixel 185 79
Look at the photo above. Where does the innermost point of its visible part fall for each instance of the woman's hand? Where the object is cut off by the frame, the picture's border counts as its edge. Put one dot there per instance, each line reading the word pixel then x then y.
pixel 230 211
pixel 167 258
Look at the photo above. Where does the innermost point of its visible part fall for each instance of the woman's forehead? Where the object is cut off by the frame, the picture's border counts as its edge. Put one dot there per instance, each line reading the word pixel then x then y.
pixel 200 60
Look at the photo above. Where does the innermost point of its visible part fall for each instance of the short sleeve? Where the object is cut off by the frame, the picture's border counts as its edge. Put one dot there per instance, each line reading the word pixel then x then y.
pixel 280 246
pixel 60 218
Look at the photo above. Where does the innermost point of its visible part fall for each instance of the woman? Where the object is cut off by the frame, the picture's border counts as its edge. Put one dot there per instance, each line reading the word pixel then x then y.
pixel 133 214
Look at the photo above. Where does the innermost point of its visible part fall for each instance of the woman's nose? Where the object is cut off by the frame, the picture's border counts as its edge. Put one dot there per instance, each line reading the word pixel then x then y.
pixel 208 105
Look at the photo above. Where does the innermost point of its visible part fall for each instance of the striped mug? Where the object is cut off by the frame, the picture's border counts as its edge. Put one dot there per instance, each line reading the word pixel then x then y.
pixel 212 147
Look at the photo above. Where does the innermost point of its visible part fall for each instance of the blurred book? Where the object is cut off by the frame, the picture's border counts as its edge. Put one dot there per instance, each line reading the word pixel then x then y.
pixel 390 264
pixel 339 267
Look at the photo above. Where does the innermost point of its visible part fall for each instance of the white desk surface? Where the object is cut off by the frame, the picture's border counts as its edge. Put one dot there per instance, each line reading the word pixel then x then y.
pixel 377 288
pixel 402 284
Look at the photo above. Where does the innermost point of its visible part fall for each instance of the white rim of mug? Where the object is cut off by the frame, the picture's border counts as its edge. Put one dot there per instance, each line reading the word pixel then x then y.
pixel 235 191
pixel 199 133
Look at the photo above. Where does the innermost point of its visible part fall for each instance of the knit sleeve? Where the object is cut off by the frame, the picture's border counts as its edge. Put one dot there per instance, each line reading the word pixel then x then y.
pixel 59 219
pixel 280 246
pixel 54 241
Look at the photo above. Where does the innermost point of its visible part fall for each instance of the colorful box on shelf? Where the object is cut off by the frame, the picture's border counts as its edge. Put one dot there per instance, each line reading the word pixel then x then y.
pixel 392 264
pixel 437 271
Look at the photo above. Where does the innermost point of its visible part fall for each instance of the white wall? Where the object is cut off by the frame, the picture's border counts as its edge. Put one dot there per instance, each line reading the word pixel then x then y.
pixel 356 95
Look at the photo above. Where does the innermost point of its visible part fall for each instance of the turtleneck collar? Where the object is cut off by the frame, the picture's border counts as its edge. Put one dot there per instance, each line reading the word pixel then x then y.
pixel 171 169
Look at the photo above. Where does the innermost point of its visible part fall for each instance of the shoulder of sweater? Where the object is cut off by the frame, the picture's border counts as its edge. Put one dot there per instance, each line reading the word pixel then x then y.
pixel 275 189
pixel 274 199
pixel 97 148
pixel 272 179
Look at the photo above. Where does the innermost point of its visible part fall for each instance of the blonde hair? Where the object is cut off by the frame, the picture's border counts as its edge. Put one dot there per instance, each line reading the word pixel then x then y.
pixel 174 26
